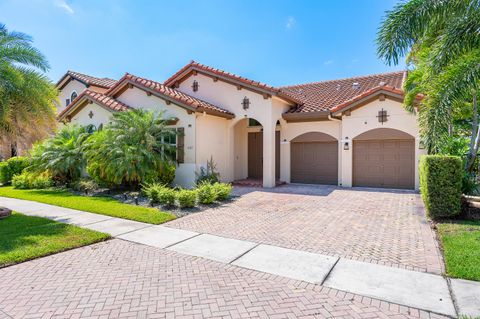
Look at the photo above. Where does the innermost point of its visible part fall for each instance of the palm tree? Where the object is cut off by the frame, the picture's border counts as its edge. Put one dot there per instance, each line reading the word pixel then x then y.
pixel 441 41
pixel 27 112
pixel 132 149
pixel 62 155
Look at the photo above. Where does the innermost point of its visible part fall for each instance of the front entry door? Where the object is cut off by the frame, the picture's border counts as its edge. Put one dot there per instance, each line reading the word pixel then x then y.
pixel 255 155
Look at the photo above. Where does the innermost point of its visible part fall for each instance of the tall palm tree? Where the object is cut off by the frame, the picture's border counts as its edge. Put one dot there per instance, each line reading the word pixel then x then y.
pixel 441 41
pixel 27 112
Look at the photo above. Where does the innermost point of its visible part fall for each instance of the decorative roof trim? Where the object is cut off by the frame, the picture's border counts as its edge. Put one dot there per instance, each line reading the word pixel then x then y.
pixel 367 96
pixel 125 80
pixel 86 96
pixel 230 78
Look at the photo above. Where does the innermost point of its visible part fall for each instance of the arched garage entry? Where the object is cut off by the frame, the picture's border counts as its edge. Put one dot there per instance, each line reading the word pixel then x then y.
pixel 384 158
pixel 314 159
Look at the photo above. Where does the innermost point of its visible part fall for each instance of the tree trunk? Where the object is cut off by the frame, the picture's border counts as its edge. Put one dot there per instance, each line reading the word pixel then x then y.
pixel 474 139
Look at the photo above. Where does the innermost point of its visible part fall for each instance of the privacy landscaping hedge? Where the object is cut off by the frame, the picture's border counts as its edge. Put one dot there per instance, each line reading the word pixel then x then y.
pixel 441 185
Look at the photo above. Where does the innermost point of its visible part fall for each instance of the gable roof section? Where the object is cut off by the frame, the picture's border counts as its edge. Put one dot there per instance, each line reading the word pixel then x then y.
pixel 101 99
pixel 164 92
pixel 334 95
pixel 228 77
pixel 88 80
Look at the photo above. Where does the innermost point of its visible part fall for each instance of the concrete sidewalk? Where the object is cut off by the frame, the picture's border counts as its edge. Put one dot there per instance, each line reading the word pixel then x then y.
pixel 419 290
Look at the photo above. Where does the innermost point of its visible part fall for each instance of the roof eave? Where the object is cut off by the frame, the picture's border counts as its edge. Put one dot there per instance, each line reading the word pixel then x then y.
pixel 354 103
pixel 306 116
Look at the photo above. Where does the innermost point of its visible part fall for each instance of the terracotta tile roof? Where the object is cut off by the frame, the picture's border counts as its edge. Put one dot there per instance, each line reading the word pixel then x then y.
pixel 96 97
pixel 89 80
pixel 173 94
pixel 386 88
pixel 335 94
pixel 195 66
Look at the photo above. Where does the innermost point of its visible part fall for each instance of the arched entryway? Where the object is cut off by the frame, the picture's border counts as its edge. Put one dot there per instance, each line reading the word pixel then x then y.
pixel 385 158
pixel 314 159
pixel 249 150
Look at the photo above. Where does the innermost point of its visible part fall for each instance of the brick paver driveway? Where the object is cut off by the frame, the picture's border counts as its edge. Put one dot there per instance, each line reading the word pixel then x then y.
pixel 379 226
pixel 119 279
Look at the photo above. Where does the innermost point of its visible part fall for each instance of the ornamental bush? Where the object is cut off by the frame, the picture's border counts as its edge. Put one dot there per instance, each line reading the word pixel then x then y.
pixel 11 167
pixel 441 185
pixel 222 190
pixel 31 180
pixel 206 193
pixel 186 198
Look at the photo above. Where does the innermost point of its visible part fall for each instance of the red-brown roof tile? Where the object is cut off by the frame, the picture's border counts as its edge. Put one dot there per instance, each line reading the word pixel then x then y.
pixel 195 66
pixel 175 95
pixel 89 80
pixel 336 94
pixel 96 97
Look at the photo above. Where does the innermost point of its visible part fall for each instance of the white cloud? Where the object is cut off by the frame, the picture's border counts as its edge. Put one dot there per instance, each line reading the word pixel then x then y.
pixel 64 5
pixel 328 62
pixel 290 22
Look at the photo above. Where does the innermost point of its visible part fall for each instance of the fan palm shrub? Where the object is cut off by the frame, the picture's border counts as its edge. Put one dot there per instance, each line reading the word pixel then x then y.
pixel 131 150
pixel 62 154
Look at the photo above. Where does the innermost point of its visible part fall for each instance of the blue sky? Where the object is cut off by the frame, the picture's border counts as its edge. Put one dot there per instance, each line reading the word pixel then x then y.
pixel 276 42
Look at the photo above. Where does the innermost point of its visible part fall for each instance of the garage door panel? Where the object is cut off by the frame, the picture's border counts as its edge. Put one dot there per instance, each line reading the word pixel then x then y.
pixel 314 162
pixel 384 163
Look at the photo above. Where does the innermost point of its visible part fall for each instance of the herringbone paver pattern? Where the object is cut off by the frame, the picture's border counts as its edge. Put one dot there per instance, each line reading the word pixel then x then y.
pixel 119 279
pixel 384 227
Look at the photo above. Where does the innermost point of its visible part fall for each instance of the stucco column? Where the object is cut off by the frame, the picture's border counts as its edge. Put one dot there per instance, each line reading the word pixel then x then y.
pixel 230 149
pixel 269 154
pixel 346 160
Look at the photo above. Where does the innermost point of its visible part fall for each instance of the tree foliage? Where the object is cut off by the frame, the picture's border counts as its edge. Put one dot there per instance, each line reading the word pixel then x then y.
pixel 441 41
pixel 132 149
pixel 27 111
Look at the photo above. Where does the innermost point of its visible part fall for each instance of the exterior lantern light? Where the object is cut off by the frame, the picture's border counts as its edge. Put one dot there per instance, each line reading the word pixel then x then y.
pixel 346 145
pixel 195 86
pixel 246 103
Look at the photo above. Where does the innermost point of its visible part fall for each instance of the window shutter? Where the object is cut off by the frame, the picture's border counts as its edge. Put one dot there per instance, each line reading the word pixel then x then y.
pixel 180 145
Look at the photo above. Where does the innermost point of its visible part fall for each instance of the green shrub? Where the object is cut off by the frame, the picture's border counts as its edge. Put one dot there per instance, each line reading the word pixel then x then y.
pixel 441 185
pixel 85 185
pixel 159 193
pixel 29 180
pixel 167 196
pixel 167 175
pixel 11 167
pixel 206 193
pixel 186 198
pixel 222 190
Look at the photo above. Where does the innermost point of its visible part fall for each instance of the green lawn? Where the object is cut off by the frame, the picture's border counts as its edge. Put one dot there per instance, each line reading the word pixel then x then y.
pixel 461 245
pixel 26 237
pixel 99 205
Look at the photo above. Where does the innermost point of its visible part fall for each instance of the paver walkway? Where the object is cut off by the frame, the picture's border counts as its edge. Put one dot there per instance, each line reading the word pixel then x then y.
pixel 384 227
pixel 414 289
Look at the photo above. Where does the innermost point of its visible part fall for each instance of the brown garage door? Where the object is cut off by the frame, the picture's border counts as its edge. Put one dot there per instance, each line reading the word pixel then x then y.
pixel 384 163
pixel 314 162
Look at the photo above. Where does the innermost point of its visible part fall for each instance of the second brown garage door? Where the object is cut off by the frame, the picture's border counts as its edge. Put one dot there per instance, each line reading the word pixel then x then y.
pixel 384 163
pixel 314 162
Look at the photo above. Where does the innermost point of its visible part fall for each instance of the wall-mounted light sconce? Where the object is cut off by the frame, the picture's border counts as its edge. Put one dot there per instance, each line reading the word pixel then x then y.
pixel 421 145
pixel 346 145
pixel 246 103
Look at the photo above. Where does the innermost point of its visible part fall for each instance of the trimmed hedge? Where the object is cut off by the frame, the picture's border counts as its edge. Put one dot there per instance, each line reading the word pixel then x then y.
pixel 441 185
pixel 11 167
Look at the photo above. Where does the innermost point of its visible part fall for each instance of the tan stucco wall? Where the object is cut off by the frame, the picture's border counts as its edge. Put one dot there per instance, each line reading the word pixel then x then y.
pixel 100 115
pixel 65 93
pixel 266 111
pixel 365 118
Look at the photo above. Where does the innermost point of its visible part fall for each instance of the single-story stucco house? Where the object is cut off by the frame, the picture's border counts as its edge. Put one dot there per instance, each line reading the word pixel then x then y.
pixel 347 132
